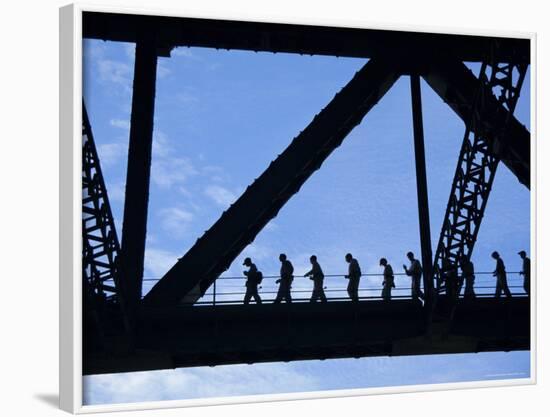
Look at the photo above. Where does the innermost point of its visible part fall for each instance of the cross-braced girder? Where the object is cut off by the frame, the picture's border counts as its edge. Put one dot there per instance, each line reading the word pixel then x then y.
pixel 477 164
pixel 100 246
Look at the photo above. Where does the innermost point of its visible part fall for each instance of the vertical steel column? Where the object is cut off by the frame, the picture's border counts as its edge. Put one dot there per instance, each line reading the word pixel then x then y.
pixel 422 187
pixel 134 227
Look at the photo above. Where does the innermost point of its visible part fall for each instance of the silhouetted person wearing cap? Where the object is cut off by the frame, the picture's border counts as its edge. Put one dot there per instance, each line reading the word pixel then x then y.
pixel 500 274
pixel 526 272
pixel 388 283
pixel 316 274
pixel 415 272
pixel 285 281
pixel 354 275
pixel 253 280
pixel 468 276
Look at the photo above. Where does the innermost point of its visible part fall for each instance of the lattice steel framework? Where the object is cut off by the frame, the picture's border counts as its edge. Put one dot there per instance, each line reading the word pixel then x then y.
pixel 100 246
pixel 477 164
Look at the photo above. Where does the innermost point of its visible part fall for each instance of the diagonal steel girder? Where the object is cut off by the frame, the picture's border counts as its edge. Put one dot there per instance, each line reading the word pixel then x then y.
pixel 214 252
pixel 458 87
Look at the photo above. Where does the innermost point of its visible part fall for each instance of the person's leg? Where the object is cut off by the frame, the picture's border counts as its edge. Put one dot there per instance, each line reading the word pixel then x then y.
pixel 418 287
pixel 247 296
pixel 498 288
pixel 322 295
pixel 314 296
pixel 288 294
pixel 350 289
pixel 356 290
pixel 507 290
pixel 279 296
pixel 257 296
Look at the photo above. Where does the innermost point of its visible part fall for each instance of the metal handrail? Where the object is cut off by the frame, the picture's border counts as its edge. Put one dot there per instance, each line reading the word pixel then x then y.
pixel 214 294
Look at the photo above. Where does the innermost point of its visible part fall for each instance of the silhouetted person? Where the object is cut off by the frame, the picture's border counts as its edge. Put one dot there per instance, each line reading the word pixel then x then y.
pixel 253 278
pixel 500 274
pixel 285 281
pixel 526 272
pixel 316 274
pixel 415 272
pixel 468 276
pixel 388 283
pixel 450 277
pixel 354 275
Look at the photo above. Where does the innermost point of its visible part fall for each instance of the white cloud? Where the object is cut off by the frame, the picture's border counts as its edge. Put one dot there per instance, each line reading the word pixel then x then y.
pixel 175 220
pixel 159 261
pixel 220 195
pixel 111 153
pixel 161 147
pixel 220 381
pixel 174 171
pixel 93 49
pixel 130 50
pixel 186 52
pixel 162 70
pixel 120 123
pixel 116 72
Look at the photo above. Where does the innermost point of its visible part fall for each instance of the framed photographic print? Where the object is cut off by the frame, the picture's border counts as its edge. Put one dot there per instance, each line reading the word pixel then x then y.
pixel 265 210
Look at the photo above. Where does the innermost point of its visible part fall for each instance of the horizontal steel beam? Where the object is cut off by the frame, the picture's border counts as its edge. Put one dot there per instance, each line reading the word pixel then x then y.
pixel 302 39
pixel 507 138
pixel 207 336
pixel 214 252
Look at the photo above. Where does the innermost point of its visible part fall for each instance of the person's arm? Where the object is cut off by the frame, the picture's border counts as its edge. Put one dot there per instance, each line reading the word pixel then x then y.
pixel 309 273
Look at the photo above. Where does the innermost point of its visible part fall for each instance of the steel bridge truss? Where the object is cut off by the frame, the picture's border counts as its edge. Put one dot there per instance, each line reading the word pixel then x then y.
pixel 100 246
pixel 163 335
pixel 477 164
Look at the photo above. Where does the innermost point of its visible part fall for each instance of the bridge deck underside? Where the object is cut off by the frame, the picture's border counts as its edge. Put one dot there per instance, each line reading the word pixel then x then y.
pixel 220 335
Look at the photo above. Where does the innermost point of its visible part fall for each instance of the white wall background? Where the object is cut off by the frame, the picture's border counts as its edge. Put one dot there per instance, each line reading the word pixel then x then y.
pixel 29 203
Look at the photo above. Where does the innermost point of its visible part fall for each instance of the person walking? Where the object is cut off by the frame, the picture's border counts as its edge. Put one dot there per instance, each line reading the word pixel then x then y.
pixel 285 281
pixel 500 274
pixel 526 272
pixel 316 274
pixel 468 277
pixel 415 272
pixel 388 283
pixel 354 275
pixel 253 279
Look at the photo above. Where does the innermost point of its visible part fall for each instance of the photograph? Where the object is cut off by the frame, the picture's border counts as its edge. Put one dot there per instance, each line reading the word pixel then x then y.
pixel 275 208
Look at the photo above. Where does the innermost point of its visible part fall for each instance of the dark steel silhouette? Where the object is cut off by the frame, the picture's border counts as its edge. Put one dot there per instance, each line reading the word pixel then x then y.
pixel 484 145
pixel 134 225
pixel 422 187
pixel 168 333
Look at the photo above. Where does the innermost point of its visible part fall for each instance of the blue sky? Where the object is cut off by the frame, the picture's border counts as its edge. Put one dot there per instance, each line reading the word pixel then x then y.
pixel 221 117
